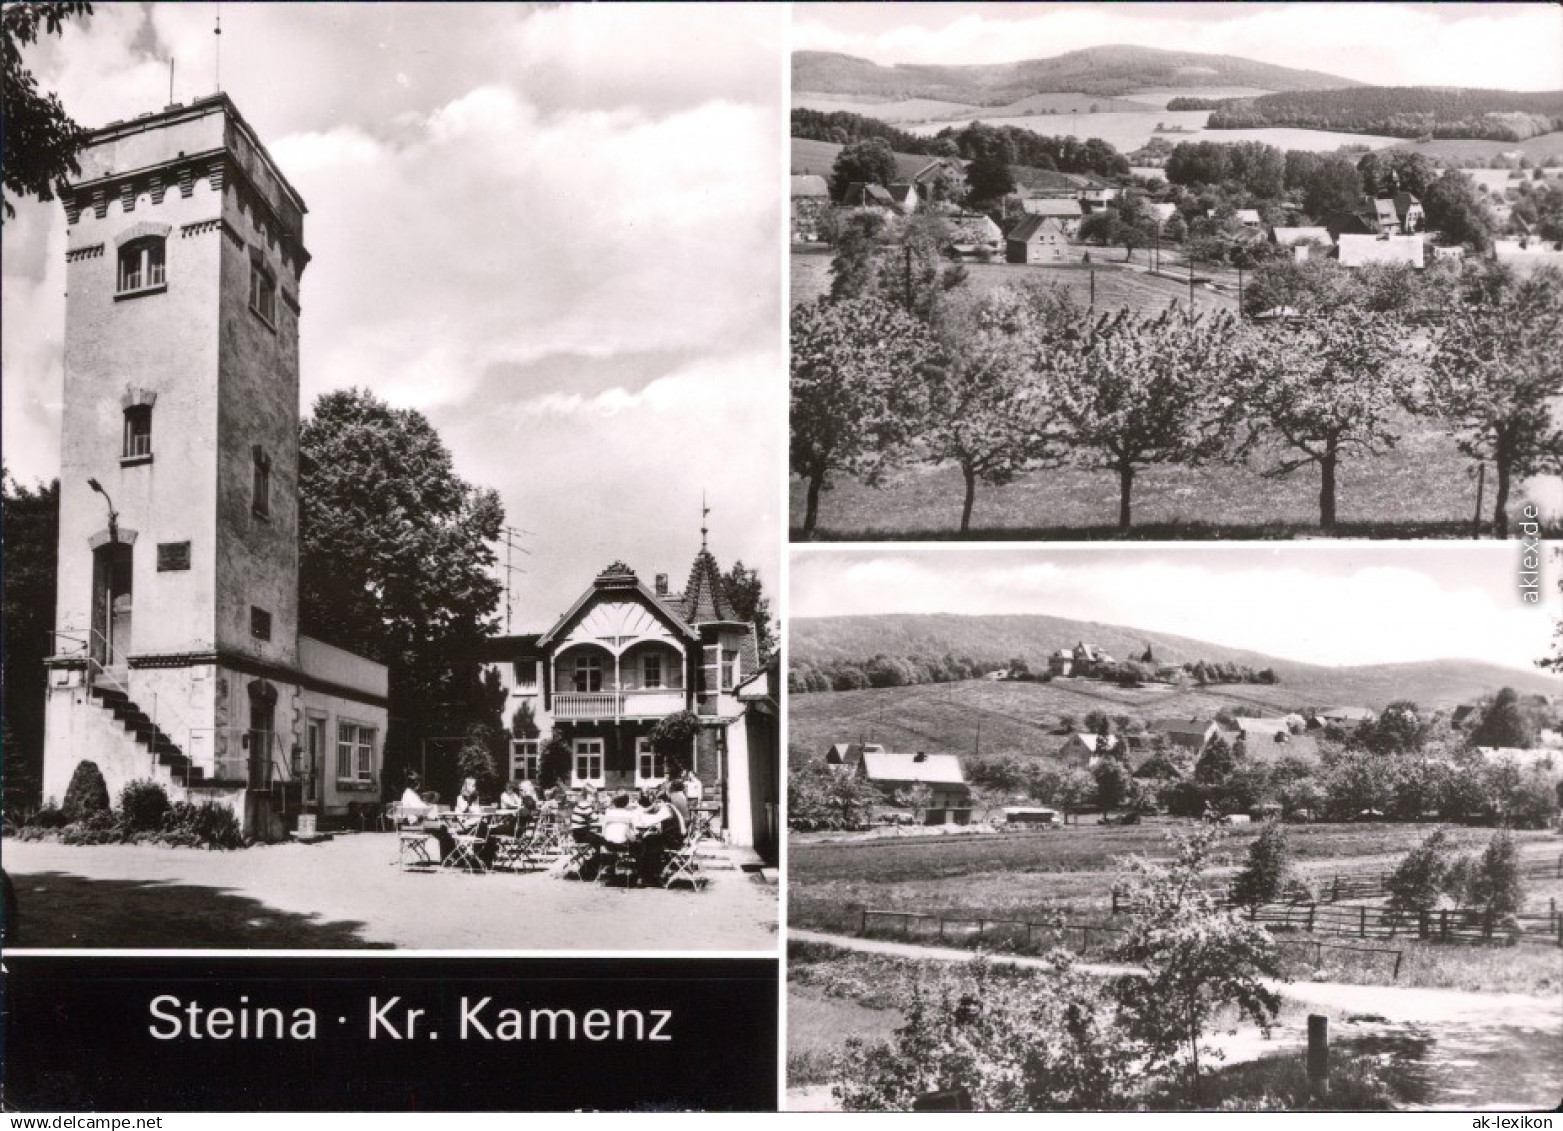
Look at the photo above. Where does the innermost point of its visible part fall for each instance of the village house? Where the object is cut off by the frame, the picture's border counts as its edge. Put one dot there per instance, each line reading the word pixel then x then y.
pixel 1067 211
pixel 1084 749
pixel 892 774
pixel 810 203
pixel 1096 198
pixel 1302 241
pixel 621 659
pixel 861 195
pixel 1347 717
pixel 849 755
pixel 1401 214
pixel 975 235
pixel 1359 251
pixel 1188 736
pixel 905 197
pixel 178 656
pixel 1249 218
pixel 1037 239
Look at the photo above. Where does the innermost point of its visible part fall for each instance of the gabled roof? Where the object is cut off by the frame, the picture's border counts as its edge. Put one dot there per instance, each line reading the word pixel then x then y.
pixel 934 769
pixel 859 193
pixel 1248 216
pixel 849 753
pixel 1067 207
pixel 973 229
pixel 1358 250
pixel 1360 714
pixel 1287 237
pixel 809 184
pixel 621 578
pixel 1404 202
pixel 1094 742
pixel 1384 211
pixel 1033 226
pixel 901 193
pixel 1188 727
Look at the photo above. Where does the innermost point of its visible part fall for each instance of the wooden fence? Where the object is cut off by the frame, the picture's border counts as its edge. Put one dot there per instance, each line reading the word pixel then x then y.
pixel 1451 924
pixel 997 932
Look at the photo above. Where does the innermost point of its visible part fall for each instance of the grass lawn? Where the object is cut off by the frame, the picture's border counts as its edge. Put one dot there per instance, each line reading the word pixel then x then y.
pixel 818 1025
pixel 1070 872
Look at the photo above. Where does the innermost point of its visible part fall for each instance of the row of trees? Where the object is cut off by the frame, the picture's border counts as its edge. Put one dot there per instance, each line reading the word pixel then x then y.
pixel 1022 378
pixel 1400 111
pixel 884 671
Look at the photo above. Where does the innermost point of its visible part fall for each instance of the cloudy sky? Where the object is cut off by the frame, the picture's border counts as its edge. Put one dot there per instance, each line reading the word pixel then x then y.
pixel 1514 46
pixel 1336 603
pixel 557 232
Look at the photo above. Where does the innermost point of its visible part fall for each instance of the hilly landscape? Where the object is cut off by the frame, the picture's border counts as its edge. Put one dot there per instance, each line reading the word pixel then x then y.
pixel 1106 71
pixel 1022 717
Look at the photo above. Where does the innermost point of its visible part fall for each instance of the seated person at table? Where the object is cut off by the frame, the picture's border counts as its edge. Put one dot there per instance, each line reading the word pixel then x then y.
pixel 510 797
pixel 467 803
pixel 679 799
pixel 583 818
pixel 413 806
pixel 662 830
pixel 618 822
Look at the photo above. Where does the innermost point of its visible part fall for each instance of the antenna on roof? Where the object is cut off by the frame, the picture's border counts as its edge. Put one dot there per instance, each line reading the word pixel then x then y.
pixel 217 54
pixel 704 511
pixel 170 80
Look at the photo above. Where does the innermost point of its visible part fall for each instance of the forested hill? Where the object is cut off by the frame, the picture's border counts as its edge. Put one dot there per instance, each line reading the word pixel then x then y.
pixel 1399 111
pixel 1108 70
pixel 819 640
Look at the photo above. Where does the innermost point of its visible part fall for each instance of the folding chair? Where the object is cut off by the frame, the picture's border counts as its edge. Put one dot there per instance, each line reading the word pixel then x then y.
pixel 571 864
pixel 513 848
pixel 683 863
pixel 412 847
pixel 620 857
pixel 469 847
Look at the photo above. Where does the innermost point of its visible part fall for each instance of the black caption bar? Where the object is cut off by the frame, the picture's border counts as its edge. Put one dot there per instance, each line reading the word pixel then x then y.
pixel 385 1034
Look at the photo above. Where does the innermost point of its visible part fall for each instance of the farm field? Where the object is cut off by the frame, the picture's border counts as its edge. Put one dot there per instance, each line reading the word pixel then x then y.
pixel 1128 131
pixel 1537 148
pixel 1116 286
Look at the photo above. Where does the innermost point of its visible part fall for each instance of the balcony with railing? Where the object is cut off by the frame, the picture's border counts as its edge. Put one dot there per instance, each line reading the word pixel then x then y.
pixel 624 703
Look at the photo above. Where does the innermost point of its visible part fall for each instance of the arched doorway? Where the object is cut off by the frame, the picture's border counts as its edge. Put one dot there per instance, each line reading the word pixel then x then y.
pixel 112 584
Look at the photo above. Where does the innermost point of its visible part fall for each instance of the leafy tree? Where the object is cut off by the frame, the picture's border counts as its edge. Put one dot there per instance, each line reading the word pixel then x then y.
pixel 1326 388
pixel 1014 1041
pixel 854 272
pixel 918 798
pixel 984 412
pixel 554 759
pixel 523 724
pixel 870 162
pixel 1399 729
pixel 673 736
pixel 1267 870
pixel 1396 170
pixel 1457 211
pixel 1201 959
pixel 479 758
pixel 31 519
pixel 395 558
pixel 820 796
pixel 1114 784
pixel 853 403
pixel 1140 390
pixel 916 277
pixel 1422 876
pixel 1495 884
pixel 1504 723
pixel 989 178
pixel 40 139
pixel 1332 185
pixel 746 593
pixel 1215 762
pixel 1496 377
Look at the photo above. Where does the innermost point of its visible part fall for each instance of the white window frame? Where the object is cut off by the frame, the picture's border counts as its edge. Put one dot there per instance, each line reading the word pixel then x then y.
pixel 648 763
pixel 587 665
pixel 355 746
pixel 587 754
pixel 138 431
pixel 150 271
pixel 651 662
pixel 314 727
pixel 729 669
pixel 525 759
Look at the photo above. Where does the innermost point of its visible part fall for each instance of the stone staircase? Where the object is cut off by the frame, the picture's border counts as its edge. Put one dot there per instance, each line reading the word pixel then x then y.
pixel 138 723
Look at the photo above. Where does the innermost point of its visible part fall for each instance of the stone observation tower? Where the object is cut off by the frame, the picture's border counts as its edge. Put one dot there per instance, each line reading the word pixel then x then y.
pixel 177 655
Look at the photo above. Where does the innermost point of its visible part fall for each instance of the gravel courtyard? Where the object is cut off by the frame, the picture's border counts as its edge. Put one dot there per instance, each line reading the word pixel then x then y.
pixel 349 893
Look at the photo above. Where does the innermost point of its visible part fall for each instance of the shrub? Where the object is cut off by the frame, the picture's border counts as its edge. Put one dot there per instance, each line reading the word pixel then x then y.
pixel 1423 876
pixel 87 793
pixel 97 827
pixel 142 806
pixel 1265 873
pixel 51 816
pixel 207 825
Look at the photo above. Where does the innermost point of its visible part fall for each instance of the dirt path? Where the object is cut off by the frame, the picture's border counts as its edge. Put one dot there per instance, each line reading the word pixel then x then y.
pixel 1404 1004
pixel 1455 1049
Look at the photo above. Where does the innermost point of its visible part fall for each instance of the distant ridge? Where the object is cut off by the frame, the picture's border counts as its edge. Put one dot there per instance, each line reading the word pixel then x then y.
pixel 1430 683
pixel 1107 70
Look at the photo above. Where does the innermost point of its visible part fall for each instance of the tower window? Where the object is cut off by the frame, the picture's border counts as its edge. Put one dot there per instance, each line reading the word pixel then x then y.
pixel 263 293
pixel 260 623
pixel 260 483
pixel 141 265
pixel 138 431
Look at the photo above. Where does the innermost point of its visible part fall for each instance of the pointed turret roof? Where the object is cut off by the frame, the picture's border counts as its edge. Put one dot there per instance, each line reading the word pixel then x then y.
pixel 705 597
